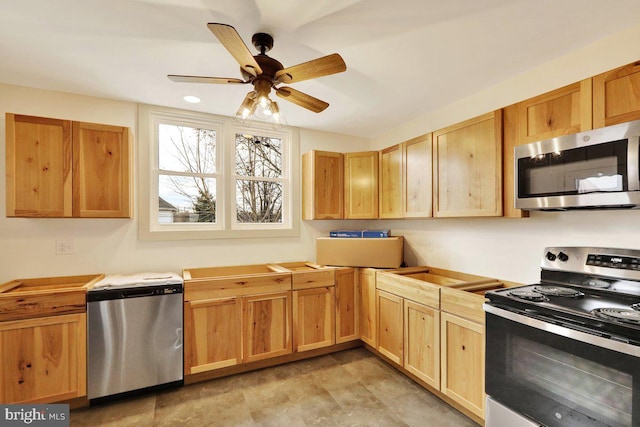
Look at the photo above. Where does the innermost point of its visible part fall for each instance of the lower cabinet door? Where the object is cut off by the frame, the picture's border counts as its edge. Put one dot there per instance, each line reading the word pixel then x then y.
pixel 390 330
pixel 367 301
pixel 422 342
pixel 314 318
pixel 212 334
pixel 462 362
pixel 266 326
pixel 347 308
pixel 43 360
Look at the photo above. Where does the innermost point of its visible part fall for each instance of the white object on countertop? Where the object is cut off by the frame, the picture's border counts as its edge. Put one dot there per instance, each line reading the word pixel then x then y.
pixel 128 280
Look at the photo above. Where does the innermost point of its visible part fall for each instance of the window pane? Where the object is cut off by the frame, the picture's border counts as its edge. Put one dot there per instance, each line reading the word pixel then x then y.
pixel 186 199
pixel 259 156
pixel 258 201
pixel 186 149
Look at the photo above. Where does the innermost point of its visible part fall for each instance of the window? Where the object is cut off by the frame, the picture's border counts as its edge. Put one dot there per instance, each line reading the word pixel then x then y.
pixel 203 176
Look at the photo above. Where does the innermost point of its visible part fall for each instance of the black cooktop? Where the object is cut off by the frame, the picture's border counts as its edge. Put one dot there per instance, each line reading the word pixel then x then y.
pixel 596 290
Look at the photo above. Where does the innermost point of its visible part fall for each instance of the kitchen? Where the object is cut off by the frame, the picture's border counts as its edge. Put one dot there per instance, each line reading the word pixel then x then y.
pixel 505 248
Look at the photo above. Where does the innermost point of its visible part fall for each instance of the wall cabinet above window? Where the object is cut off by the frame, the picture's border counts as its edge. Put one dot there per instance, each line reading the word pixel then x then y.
pixel 59 168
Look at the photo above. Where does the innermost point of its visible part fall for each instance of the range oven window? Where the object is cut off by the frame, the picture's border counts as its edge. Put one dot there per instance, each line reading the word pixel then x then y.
pixel 557 380
pixel 594 168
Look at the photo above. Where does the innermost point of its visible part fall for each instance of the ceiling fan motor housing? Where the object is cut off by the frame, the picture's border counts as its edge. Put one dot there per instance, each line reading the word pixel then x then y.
pixel 269 67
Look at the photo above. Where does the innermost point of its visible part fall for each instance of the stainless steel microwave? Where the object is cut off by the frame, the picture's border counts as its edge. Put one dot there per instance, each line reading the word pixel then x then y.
pixel 596 169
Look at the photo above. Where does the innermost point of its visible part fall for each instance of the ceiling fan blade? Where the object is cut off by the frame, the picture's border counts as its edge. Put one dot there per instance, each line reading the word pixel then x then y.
pixel 199 79
pixel 232 41
pixel 330 64
pixel 302 99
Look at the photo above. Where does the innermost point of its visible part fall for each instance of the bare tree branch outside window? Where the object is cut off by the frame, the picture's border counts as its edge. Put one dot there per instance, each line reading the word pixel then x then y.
pixel 190 153
pixel 259 187
pixel 187 178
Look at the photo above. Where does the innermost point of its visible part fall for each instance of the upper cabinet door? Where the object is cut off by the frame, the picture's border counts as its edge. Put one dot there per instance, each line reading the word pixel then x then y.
pixel 417 177
pixel 391 182
pixel 38 155
pixel 322 185
pixel 561 112
pixel 100 171
pixel 616 96
pixel 468 168
pixel 361 185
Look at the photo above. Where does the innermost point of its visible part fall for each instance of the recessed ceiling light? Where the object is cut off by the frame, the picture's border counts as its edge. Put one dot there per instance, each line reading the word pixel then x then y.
pixel 192 99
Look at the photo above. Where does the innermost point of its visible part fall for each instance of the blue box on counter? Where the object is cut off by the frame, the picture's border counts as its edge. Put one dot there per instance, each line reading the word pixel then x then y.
pixel 345 233
pixel 376 233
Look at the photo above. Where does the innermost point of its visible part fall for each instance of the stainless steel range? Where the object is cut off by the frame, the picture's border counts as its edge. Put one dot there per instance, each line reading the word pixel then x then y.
pixel 566 351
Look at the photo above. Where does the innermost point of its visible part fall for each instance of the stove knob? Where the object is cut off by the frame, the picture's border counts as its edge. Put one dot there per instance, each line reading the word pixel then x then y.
pixel 563 257
pixel 551 256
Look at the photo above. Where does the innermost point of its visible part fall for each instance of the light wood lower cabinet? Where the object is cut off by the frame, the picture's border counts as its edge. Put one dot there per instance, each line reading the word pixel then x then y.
pixel 266 326
pixel 389 308
pixel 462 362
pixel 367 293
pixel 347 306
pixel 43 360
pixel 213 331
pixel 314 311
pixel 422 342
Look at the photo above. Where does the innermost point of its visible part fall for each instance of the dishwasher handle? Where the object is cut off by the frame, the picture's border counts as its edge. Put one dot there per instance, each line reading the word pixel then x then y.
pixel 133 292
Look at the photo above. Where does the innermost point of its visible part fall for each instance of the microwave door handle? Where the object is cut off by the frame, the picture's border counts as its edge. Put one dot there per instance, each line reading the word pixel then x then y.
pixel 633 160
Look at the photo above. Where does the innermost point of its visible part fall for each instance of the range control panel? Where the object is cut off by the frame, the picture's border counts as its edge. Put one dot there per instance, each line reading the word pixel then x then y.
pixel 614 261
pixel 610 262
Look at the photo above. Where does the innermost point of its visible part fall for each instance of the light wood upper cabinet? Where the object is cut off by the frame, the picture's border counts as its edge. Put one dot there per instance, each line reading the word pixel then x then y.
pixel 510 140
pixel 361 185
pixel 616 96
pixel 43 360
pixel 462 362
pixel 38 166
pixel 100 171
pixel 314 311
pixel 212 334
pixel 59 168
pixel 367 299
pixel 468 168
pixel 417 179
pixel 347 307
pixel 563 111
pixel 390 197
pixel 322 185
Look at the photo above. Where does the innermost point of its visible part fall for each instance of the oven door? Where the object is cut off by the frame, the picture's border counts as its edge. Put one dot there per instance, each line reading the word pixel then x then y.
pixel 559 376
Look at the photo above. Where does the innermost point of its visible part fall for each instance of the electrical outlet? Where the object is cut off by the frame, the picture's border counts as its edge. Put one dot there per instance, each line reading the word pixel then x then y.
pixel 64 247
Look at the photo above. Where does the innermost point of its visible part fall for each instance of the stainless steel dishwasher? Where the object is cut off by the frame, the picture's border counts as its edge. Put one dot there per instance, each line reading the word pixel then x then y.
pixel 134 334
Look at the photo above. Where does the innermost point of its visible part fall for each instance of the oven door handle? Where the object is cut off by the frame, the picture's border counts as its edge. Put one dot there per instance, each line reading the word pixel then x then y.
pixel 599 341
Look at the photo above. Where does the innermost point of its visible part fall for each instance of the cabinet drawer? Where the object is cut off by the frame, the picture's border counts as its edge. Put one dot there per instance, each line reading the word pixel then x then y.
pixel 198 289
pixel 407 287
pixel 467 302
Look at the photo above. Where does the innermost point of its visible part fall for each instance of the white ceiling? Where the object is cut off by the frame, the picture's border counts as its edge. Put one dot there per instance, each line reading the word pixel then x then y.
pixel 404 57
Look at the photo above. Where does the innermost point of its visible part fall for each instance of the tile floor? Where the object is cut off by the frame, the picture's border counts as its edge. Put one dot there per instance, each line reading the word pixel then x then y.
pixel 349 388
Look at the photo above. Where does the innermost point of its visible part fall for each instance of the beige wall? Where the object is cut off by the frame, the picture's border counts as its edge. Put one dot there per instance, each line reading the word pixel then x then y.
pixel 504 248
pixel 112 246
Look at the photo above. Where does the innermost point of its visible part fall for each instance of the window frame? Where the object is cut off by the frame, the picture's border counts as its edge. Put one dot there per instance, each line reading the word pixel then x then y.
pixel 285 180
pixel 150 116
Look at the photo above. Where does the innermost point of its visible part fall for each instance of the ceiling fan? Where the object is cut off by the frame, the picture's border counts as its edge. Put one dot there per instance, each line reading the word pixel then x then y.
pixel 266 73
